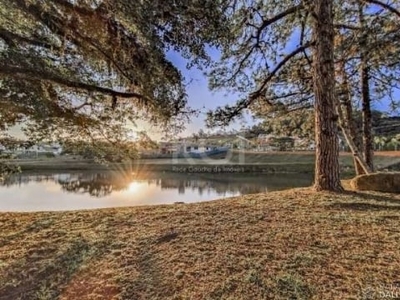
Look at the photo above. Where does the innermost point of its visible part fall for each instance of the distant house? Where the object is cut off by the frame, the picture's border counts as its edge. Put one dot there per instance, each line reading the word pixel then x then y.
pixel 283 143
pixel 55 149
pixel 244 143
pixel 169 147
pixel 195 146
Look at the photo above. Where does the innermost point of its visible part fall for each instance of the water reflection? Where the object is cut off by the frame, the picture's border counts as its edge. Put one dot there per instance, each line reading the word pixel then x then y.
pixel 105 183
pixel 77 190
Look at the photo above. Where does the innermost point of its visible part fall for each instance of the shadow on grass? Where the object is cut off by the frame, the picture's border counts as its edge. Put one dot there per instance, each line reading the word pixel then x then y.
pixel 365 206
pixel 45 277
pixel 372 202
pixel 149 279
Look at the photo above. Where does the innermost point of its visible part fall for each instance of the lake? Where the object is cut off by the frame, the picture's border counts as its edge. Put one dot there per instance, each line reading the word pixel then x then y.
pixel 55 191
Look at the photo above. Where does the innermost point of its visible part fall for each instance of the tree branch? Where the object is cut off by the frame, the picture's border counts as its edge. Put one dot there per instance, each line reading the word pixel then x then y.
pixel 302 37
pixel 9 37
pixel 299 94
pixel 385 6
pixel 242 62
pixel 30 74
pixel 225 115
pixel 257 37
pixel 346 26
pixel 257 93
pixel 276 18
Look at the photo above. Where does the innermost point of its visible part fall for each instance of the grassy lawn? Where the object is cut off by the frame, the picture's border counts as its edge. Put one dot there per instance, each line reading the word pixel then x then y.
pixel 282 245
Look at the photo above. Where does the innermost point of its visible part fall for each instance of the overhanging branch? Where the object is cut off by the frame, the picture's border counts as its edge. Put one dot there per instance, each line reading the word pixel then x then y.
pixel 11 38
pixel 26 73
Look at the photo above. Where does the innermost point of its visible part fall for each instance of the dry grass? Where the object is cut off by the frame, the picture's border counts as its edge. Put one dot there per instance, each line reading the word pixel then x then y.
pixel 282 245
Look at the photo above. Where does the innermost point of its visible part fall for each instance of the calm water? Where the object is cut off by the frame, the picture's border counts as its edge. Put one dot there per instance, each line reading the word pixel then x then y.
pixel 86 190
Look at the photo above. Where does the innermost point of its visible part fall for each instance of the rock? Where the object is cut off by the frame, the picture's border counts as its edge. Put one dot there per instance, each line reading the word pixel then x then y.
pixel 380 182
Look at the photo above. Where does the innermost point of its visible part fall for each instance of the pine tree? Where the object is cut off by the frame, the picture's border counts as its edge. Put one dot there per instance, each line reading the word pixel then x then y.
pixel 261 56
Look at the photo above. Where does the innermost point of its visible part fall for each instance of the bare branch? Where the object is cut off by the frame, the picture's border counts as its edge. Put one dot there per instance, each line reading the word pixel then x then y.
pixel 264 25
pixel 258 92
pixel 276 18
pixel 302 37
pixel 230 112
pixel 385 6
pixel 346 26
pixel 242 62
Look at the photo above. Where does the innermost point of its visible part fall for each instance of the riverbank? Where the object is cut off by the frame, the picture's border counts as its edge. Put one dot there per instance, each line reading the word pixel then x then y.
pixel 235 162
pixel 295 244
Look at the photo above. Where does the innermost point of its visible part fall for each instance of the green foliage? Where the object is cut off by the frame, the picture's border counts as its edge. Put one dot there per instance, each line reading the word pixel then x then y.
pixel 278 121
pixel 85 70
pixel 6 168
pixel 102 151
pixel 297 123
pixel 267 59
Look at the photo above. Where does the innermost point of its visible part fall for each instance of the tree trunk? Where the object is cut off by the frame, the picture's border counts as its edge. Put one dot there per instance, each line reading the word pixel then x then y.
pixel 357 167
pixel 327 171
pixel 347 123
pixel 368 146
pixel 360 165
pixel 367 117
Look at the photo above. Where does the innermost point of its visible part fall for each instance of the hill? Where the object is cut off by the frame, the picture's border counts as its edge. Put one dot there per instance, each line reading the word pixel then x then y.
pixel 282 245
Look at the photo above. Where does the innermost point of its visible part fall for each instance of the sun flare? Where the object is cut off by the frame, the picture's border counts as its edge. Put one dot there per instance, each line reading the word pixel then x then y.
pixel 132 136
pixel 134 187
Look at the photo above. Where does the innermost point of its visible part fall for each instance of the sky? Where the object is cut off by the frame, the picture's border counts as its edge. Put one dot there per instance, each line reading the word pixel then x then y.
pixel 200 97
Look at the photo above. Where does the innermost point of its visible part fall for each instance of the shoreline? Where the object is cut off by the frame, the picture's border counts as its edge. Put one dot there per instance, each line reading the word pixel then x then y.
pixel 229 168
pixel 235 162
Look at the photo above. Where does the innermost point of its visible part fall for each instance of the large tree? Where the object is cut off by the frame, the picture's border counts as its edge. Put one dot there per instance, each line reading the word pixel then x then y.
pixel 327 172
pixel 273 54
pixel 367 36
pixel 270 38
pixel 88 69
